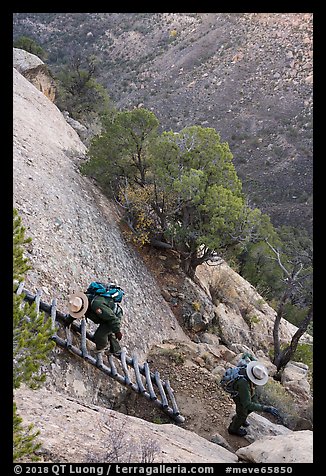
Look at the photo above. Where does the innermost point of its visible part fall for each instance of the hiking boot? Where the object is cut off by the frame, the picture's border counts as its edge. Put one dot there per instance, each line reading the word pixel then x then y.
pixel 101 351
pixel 68 320
pixel 240 432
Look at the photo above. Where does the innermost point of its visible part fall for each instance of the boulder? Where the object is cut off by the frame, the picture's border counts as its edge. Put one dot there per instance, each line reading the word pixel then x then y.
pixel 209 338
pixel 243 316
pixel 294 378
pixel 260 427
pixel 219 440
pixel 79 128
pixel 24 61
pixel 294 447
pixel 35 71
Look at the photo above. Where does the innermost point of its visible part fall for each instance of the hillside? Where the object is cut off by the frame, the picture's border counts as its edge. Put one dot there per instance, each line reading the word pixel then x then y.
pixel 248 75
pixel 76 238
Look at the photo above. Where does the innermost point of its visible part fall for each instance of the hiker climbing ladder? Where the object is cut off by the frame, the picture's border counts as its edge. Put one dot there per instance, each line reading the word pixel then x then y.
pixel 147 383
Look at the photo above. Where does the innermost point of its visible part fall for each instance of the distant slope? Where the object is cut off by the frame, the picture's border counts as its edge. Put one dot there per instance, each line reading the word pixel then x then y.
pixel 247 75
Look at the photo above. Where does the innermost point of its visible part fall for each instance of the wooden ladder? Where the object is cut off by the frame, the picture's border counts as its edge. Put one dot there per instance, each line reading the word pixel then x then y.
pixel 124 369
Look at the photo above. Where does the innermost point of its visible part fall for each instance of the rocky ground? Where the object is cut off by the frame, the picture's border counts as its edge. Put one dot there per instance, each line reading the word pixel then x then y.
pixel 206 408
pixel 193 368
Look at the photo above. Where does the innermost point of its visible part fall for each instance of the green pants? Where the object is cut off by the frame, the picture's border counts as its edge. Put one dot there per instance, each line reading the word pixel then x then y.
pixel 103 336
pixel 240 416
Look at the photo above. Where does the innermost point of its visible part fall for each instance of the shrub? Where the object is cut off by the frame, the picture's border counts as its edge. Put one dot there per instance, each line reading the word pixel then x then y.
pixel 274 394
pixel 31 46
pixel 118 448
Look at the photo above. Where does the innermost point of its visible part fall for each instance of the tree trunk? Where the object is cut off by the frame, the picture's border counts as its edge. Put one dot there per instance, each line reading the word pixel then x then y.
pixel 286 355
pixel 187 266
pixel 276 329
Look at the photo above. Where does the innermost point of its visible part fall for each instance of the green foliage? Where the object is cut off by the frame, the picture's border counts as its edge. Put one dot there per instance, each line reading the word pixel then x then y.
pixel 31 333
pixel 297 249
pixel 304 354
pixel 24 444
pixel 294 313
pixel 200 193
pixel 120 154
pixel 79 93
pixel 274 394
pixel 193 195
pixel 158 420
pixel 259 265
pixel 27 44
pixel 260 269
pixel 20 263
pixel 31 341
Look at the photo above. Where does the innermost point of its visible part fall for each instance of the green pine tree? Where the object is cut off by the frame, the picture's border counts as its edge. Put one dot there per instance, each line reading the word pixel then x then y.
pixel 24 439
pixel 31 343
pixel 20 263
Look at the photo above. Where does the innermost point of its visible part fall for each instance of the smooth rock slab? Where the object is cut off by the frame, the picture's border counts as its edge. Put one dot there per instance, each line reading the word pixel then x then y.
pixel 295 447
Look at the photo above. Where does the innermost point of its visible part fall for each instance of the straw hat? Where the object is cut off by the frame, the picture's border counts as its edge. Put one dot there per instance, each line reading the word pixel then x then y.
pixel 257 373
pixel 78 304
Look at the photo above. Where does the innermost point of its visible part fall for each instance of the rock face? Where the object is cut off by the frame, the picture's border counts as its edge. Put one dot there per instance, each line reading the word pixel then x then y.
pixel 35 71
pixel 296 447
pixel 75 236
pixel 77 433
pixel 42 80
pixel 245 321
pixel 294 378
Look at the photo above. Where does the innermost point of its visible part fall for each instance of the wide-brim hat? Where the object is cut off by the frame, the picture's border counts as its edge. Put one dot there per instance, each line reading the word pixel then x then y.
pixel 257 373
pixel 77 304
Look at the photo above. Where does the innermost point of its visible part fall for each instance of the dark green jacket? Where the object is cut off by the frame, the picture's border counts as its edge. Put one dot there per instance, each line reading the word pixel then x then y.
pixel 103 310
pixel 246 396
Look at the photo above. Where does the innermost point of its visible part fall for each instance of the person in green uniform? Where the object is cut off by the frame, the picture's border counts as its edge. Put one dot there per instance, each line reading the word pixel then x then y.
pixel 245 398
pixel 103 308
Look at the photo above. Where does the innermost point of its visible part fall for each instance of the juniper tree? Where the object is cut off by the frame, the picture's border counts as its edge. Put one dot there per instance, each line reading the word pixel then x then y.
pixel 28 44
pixel 201 209
pixel 179 190
pixel 78 91
pixel 20 263
pixel 31 341
pixel 295 270
pixel 120 156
